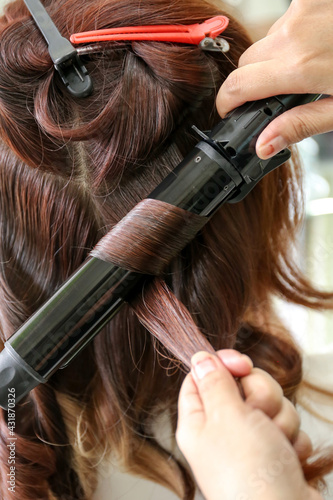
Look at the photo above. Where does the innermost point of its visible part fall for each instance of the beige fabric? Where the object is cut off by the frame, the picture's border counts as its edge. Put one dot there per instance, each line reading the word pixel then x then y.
pixel 318 371
pixel 115 484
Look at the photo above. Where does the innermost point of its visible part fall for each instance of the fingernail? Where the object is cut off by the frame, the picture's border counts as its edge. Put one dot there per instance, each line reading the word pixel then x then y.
pixel 247 359
pixel 203 366
pixel 271 148
pixel 233 356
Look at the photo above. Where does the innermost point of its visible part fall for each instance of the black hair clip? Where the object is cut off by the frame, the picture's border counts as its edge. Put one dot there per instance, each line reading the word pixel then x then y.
pixel 64 56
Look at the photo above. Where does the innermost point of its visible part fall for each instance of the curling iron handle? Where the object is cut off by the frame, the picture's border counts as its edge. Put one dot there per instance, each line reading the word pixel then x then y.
pixel 292 100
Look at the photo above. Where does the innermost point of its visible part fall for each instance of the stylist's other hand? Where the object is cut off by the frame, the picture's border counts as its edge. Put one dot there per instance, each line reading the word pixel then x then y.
pixel 240 449
pixel 295 57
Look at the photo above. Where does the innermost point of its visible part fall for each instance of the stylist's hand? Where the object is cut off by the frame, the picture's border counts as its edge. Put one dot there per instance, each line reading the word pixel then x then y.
pixel 240 449
pixel 295 57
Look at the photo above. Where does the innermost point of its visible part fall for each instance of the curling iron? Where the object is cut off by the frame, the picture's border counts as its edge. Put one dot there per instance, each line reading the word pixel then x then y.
pixel 222 168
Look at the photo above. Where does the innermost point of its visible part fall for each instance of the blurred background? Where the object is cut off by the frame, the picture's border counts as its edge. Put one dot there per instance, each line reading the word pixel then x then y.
pixel 257 15
pixel 313 330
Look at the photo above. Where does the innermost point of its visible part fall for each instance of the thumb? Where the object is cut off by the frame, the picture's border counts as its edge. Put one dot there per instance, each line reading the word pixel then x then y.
pixel 190 409
pixel 295 125
pixel 217 388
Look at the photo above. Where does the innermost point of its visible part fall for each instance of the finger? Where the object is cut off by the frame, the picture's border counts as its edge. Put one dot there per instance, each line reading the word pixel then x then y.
pixel 287 419
pixel 238 364
pixel 313 494
pixel 262 50
pixel 303 446
pixel 257 81
pixel 217 389
pixel 190 408
pixel 262 392
pixel 295 125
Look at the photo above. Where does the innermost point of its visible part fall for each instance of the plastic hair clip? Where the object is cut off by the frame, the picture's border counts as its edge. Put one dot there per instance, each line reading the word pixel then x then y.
pixel 64 56
pixel 204 34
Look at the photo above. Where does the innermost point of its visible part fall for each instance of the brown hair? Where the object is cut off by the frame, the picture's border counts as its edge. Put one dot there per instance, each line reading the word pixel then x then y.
pixel 70 170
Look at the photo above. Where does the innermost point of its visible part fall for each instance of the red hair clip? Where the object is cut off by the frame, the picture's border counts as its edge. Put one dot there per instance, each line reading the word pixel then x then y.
pixel 204 34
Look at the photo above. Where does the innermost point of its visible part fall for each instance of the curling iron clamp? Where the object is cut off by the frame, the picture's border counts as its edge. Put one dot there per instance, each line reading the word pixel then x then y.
pixel 222 168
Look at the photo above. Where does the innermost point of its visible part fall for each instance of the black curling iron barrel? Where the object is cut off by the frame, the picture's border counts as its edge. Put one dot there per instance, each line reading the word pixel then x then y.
pixel 222 167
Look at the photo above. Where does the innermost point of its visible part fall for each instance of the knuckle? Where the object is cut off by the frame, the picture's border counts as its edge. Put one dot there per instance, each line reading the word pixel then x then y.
pixel 303 69
pixel 272 29
pixel 290 32
pixel 268 393
pixel 289 421
pixel 233 83
pixel 183 438
pixel 314 494
pixel 300 127
pixel 298 65
pixel 269 398
pixel 300 70
pixel 208 383
pixel 303 445
pixel 179 435
pixel 256 419
pixel 286 31
pixel 216 416
pixel 242 61
pixel 292 410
